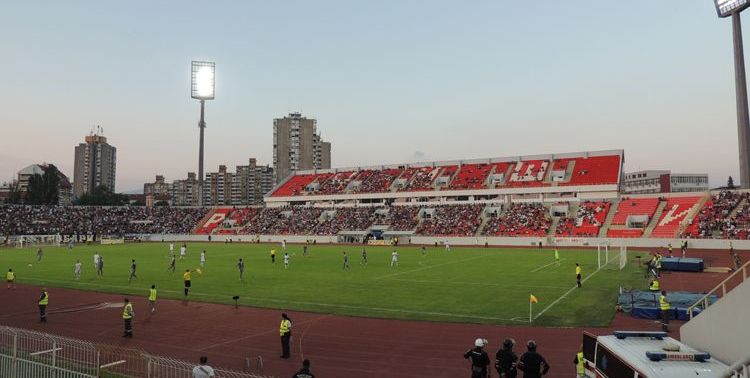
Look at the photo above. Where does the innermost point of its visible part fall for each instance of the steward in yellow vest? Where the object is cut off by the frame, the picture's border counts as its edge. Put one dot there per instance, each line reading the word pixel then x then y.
pixel 43 302
pixel 127 316
pixel 285 331
pixel 654 286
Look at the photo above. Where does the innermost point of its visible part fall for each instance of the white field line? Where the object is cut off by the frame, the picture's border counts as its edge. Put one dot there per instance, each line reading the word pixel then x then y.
pixel 283 301
pixel 34 280
pixel 571 290
pixel 430 267
pixel 475 283
pixel 546 265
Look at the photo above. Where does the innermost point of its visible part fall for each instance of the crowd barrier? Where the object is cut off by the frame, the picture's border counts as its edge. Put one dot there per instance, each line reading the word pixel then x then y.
pixel 30 354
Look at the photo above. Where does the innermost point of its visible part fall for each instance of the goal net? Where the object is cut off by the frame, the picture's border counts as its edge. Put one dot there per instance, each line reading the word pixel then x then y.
pixel 28 241
pixel 612 258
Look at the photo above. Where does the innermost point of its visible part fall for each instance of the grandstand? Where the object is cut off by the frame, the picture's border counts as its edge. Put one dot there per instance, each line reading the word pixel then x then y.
pixel 554 197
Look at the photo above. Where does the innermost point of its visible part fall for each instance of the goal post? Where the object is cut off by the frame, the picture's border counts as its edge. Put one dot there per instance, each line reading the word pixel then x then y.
pixel 28 241
pixel 616 260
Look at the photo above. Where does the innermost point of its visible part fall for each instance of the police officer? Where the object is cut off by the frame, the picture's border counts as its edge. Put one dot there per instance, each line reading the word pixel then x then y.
pixel 305 371
pixel 43 302
pixel 578 361
pixel 127 316
pixel 285 331
pixel 480 361
pixel 532 363
pixel 506 360
pixel 665 307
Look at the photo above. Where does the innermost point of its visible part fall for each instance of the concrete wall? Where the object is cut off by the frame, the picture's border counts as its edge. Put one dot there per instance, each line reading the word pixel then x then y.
pixel 724 328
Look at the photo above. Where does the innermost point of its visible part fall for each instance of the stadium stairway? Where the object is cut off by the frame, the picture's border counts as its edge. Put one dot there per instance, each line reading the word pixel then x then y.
pixel 201 222
pixel 655 219
pixel 608 221
pixel 723 328
pixel 552 232
pixel 693 213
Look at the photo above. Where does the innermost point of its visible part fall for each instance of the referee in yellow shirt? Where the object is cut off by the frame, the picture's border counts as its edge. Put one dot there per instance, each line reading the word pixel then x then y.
pixel 578 274
pixel 152 298
pixel 187 276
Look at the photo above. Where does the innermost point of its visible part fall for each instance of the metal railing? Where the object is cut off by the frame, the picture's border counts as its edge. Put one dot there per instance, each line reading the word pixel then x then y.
pixel 740 369
pixel 30 354
pixel 703 303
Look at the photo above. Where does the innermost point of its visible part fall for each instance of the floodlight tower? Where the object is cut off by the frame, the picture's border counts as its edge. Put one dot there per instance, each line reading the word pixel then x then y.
pixel 726 8
pixel 203 86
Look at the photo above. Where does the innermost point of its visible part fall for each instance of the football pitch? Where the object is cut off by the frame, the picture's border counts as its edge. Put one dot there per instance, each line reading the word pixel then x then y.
pixel 466 285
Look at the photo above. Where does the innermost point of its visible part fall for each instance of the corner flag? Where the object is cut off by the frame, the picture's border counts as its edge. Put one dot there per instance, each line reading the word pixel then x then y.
pixel 532 299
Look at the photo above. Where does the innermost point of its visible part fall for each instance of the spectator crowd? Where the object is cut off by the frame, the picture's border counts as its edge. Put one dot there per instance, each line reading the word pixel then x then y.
pixel 79 220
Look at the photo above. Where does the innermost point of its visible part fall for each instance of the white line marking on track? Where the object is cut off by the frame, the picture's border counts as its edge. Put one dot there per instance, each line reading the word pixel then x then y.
pixel 571 290
pixel 546 265
pixel 382 309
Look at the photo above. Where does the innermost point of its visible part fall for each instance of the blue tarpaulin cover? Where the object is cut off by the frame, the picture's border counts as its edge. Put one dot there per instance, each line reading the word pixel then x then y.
pixel 645 304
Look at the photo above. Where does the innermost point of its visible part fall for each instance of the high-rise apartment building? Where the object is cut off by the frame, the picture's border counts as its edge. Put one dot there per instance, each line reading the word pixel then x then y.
pixel 217 187
pixel 298 146
pixel 244 187
pixel 95 163
pixel 185 192
pixel 157 188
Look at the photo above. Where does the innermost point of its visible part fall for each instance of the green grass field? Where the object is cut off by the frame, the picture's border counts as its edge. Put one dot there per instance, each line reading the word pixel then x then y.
pixel 468 285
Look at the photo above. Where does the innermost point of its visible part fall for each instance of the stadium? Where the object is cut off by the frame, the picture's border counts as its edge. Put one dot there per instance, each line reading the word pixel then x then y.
pixel 488 227
pixel 523 243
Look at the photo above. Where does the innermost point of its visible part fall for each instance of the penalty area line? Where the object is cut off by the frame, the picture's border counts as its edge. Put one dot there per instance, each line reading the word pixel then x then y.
pixel 546 265
pixel 556 301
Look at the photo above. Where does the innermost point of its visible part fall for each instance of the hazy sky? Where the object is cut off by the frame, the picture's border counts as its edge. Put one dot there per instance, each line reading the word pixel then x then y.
pixel 389 81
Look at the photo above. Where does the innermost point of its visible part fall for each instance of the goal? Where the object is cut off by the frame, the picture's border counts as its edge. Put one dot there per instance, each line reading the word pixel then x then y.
pixel 28 241
pixel 611 258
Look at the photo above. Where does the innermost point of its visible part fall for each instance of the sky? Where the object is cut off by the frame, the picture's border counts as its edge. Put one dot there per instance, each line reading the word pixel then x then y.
pixel 390 81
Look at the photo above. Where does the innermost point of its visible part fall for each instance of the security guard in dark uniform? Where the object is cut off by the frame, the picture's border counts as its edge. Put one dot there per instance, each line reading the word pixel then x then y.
pixel 305 371
pixel 43 302
pixel 285 331
pixel 506 360
pixel 480 361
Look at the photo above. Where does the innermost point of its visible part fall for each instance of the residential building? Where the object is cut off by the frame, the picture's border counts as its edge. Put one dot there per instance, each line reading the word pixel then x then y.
pixel 251 182
pixel 157 188
pixel 185 192
pixel 95 164
pixel 298 146
pixel 64 191
pixel 244 187
pixel 217 187
pixel 663 181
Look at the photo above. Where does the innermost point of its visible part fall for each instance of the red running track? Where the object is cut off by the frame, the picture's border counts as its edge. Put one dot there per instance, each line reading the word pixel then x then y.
pixel 337 346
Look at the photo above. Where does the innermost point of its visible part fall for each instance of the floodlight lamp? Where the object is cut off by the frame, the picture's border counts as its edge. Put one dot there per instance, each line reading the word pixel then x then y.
pixel 203 80
pixel 725 8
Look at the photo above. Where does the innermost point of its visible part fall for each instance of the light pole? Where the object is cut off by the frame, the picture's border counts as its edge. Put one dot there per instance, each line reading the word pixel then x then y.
pixel 202 87
pixel 726 8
